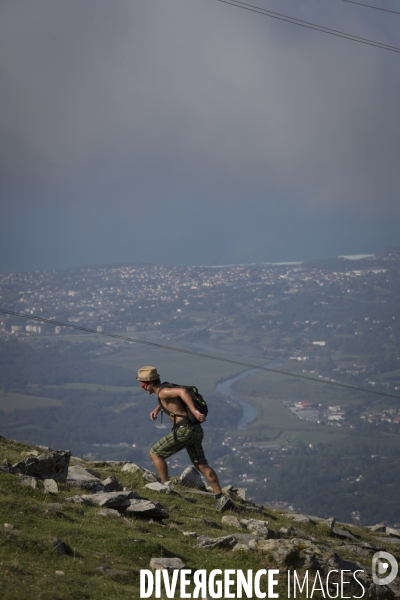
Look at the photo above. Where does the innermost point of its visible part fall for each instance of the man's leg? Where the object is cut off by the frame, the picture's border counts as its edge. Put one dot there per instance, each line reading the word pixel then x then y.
pixel 211 477
pixel 161 466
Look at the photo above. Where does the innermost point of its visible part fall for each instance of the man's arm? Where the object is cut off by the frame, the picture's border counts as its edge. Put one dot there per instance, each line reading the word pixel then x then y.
pixel 154 413
pixel 184 395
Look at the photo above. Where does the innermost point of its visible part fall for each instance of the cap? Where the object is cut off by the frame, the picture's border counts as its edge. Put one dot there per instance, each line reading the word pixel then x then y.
pixel 147 374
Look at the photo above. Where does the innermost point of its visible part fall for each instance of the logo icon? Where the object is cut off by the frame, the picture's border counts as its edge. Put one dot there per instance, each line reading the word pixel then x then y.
pixel 381 561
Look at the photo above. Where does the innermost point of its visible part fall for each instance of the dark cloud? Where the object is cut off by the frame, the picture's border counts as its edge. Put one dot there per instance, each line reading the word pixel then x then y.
pixel 191 131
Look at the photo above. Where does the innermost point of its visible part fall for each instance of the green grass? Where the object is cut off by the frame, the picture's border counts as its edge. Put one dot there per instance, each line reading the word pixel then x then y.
pixel 28 561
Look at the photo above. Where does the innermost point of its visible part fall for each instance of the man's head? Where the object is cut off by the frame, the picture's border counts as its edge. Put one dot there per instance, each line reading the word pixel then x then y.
pixel 148 379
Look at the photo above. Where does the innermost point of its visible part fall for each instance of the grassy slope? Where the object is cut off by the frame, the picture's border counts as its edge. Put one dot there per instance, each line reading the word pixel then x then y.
pixel 28 562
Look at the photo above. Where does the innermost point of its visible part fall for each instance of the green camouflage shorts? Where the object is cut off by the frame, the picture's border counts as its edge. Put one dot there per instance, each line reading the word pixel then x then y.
pixel 186 437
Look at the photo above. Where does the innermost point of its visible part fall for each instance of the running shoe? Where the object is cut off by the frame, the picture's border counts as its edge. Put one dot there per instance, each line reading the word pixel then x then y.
pixel 223 503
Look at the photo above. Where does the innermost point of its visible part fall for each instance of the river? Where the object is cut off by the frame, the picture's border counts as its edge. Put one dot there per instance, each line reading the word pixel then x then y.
pixel 224 387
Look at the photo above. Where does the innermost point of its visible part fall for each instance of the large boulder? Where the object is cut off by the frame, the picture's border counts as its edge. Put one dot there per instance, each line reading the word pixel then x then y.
pixel 192 478
pixel 111 499
pixel 258 526
pixel 132 468
pixel 156 486
pixel 112 484
pixel 52 465
pixel 82 478
pixel 226 541
pixel 232 521
pixel 171 564
pixel 145 508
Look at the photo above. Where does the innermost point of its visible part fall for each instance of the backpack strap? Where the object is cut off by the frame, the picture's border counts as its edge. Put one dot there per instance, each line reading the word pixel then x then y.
pixel 187 421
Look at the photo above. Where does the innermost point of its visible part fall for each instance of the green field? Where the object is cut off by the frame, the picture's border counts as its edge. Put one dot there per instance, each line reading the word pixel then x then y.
pixel 10 401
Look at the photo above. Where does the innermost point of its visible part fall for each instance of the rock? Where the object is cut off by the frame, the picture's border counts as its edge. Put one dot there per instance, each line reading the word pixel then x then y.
pixel 158 487
pixel 377 528
pixel 192 478
pixel 290 531
pixel 341 533
pixel 145 508
pixel 27 481
pixel 5 466
pixel 30 453
pixel 111 499
pixel 191 534
pixel 171 564
pixel 329 522
pixel 358 550
pixel 8 526
pixel 241 547
pixel 169 485
pixel 300 533
pixel 79 500
pixel 209 523
pixel 244 538
pixel 258 526
pixel 59 546
pixel 82 478
pixel 241 492
pixel 60 573
pixel 232 521
pixel 132 468
pixel 150 477
pixel 300 518
pixel 226 541
pixel 108 512
pixel 53 465
pixel 285 553
pixel 50 486
pixel 393 532
pixel 112 484
pixel 227 489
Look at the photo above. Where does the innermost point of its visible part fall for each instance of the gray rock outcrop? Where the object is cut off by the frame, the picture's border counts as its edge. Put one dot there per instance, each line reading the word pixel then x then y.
pixel 232 521
pixel 258 526
pixel 112 484
pixel 111 499
pixel 171 564
pixel 192 478
pixel 145 508
pixel 52 465
pixel 82 478
pixel 208 543
pixel 158 487
pixel 109 512
pixel 27 481
pixel 132 468
pixel 50 486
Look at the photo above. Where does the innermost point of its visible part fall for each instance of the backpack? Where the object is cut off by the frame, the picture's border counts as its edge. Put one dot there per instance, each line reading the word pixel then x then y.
pixel 198 401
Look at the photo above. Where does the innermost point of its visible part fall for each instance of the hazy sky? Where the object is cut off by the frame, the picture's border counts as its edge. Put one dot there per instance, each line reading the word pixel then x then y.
pixel 194 132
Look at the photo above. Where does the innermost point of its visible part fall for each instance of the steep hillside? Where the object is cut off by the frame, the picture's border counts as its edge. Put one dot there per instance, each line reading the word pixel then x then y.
pixel 57 542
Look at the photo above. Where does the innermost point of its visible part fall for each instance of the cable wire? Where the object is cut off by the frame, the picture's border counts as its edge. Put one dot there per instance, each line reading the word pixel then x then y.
pixel 194 353
pixel 309 25
pixel 375 7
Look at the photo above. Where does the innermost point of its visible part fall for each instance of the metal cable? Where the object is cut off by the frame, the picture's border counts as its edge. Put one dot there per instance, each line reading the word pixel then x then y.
pixel 199 354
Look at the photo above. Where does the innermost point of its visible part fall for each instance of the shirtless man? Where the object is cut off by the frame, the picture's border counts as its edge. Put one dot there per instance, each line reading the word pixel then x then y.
pixel 186 435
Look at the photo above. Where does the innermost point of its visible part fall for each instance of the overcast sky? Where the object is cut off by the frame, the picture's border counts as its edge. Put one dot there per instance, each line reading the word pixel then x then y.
pixel 194 132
